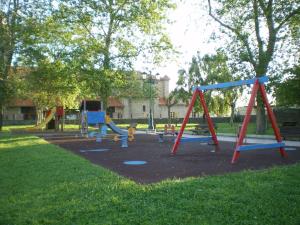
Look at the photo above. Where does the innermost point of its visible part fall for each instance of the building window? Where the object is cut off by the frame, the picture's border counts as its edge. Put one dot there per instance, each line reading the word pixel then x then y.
pixel 144 108
pixel 172 114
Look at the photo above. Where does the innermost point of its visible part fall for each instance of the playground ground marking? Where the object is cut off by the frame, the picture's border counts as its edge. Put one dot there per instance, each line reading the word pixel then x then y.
pixel 290 148
pixel 96 150
pixel 135 163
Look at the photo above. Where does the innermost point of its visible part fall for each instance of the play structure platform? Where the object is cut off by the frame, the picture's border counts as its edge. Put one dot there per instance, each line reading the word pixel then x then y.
pixel 102 122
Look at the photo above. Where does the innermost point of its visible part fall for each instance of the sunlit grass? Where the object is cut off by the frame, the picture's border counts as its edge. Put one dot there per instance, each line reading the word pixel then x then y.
pixel 221 127
pixel 44 184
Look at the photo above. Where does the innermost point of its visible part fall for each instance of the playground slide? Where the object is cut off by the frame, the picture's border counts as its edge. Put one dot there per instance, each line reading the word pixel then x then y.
pixel 116 129
pixel 47 119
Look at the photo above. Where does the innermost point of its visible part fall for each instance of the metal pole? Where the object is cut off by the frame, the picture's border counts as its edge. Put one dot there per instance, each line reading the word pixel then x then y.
pixel 150 122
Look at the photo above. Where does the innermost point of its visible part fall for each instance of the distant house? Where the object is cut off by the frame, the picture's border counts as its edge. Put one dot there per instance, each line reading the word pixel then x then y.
pixel 118 107
pixel 242 111
pixel 20 109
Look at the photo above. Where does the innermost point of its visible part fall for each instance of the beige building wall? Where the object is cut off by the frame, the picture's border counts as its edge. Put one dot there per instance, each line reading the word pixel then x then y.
pixel 163 86
pixel 13 113
pixel 139 108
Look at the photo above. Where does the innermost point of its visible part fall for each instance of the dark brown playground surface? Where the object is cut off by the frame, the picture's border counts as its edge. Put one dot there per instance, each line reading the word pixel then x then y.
pixel 192 159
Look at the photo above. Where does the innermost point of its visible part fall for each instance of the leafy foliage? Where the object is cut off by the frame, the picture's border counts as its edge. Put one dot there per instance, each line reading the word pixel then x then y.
pixel 109 35
pixel 287 92
pixel 257 31
pixel 210 69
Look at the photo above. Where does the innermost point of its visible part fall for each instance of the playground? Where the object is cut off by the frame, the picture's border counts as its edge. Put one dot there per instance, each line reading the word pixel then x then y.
pixel 147 158
pixel 192 160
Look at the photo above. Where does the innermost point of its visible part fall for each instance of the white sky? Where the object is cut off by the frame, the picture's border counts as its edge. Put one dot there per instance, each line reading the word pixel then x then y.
pixel 189 33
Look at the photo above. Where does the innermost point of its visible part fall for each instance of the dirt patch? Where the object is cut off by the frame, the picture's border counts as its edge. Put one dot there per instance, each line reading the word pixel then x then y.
pixel 192 159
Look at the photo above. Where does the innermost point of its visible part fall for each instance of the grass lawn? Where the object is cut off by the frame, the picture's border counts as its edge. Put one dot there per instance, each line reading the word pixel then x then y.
pixel 43 184
pixel 222 127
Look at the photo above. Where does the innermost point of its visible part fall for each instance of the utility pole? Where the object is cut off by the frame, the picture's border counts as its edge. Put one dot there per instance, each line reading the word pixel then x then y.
pixel 150 79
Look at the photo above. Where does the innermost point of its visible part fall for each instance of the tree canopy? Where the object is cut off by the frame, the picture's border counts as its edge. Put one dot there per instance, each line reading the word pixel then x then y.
pixel 210 69
pixel 78 48
pixel 257 30
pixel 110 35
pixel 287 92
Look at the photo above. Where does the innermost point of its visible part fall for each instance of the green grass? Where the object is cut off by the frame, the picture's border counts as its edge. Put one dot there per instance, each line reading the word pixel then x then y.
pixel 222 127
pixel 43 184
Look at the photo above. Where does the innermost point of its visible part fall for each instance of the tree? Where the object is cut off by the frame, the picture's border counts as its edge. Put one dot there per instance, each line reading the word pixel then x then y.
pixel 171 101
pixel 210 69
pixel 131 88
pixel 50 78
pixel 256 28
pixel 16 31
pixel 51 84
pixel 9 27
pixel 287 93
pixel 113 34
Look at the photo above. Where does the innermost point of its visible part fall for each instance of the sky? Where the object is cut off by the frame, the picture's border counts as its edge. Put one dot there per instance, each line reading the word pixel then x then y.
pixel 189 33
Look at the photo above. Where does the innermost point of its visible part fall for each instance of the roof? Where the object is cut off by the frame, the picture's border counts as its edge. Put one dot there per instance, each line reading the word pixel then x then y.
pixel 162 101
pixel 22 103
pixel 165 78
pixel 114 102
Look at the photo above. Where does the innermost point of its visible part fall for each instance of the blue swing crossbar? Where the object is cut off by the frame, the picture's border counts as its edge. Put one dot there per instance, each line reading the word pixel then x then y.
pixel 232 84
pixel 198 139
pixel 260 146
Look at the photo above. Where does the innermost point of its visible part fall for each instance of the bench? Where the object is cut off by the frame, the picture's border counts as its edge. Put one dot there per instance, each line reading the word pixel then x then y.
pixel 132 125
pixel 162 134
pixel 202 129
pixel 289 129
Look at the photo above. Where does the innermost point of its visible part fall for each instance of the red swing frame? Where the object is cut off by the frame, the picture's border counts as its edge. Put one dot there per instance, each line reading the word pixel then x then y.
pixel 258 86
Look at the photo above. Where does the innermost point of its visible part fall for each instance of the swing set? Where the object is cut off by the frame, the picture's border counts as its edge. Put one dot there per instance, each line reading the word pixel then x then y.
pixel 258 84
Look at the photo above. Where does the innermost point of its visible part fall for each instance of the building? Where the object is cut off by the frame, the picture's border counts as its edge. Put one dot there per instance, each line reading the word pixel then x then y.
pixel 138 108
pixel 118 107
pixel 20 109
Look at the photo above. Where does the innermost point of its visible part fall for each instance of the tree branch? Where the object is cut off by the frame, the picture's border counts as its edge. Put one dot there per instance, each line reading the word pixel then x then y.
pixel 218 20
pixel 257 29
pixel 272 32
pixel 263 6
pixel 287 18
pixel 241 37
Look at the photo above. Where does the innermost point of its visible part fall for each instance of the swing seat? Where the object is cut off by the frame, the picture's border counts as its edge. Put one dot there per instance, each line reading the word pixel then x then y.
pixel 197 139
pixel 260 146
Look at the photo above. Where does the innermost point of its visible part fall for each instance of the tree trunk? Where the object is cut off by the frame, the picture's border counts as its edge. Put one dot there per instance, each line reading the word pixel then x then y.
pixel 130 107
pixel 39 116
pixel 56 123
pixel 1 116
pixel 203 117
pixel 62 123
pixel 260 116
pixel 232 108
pixel 104 103
pixel 261 70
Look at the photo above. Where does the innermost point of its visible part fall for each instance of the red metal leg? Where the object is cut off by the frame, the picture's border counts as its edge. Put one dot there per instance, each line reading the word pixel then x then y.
pixel 186 118
pixel 245 122
pixel 272 118
pixel 209 120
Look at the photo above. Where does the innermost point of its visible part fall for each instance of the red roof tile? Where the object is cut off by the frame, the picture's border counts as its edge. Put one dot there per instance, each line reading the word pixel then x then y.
pixel 114 102
pixel 162 101
pixel 22 103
